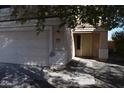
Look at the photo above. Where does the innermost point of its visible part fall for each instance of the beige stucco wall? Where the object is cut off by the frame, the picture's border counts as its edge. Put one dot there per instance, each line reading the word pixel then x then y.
pixel 58 55
pixel 95 50
pixel 103 46
pixel 70 43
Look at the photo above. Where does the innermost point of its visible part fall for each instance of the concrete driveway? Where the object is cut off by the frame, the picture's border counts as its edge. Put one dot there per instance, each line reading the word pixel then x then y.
pixel 78 73
pixel 87 73
pixel 22 76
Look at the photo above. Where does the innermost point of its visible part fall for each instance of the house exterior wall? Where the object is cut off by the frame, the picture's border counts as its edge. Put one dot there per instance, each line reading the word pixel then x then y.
pixel 58 38
pixel 99 42
pixel 60 41
pixel 103 46
pixel 58 55
pixel 69 43
pixel 54 51
pixel 96 36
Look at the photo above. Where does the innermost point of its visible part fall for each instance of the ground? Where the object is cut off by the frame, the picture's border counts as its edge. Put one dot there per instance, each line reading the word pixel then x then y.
pixel 87 73
pixel 22 76
pixel 77 73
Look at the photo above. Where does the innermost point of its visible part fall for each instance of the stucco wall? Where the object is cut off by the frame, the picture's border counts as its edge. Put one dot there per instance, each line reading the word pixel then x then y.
pixel 103 46
pixel 96 37
pixel 58 55
pixel 70 43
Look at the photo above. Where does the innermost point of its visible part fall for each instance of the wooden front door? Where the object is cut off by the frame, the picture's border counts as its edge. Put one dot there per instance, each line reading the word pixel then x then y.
pixel 86 45
pixel 83 45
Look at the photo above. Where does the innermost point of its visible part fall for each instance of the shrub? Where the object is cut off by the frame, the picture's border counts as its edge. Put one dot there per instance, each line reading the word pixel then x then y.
pixel 118 38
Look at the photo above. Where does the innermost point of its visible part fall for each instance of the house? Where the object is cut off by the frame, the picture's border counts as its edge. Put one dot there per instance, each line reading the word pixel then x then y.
pixel 19 43
pixel 90 42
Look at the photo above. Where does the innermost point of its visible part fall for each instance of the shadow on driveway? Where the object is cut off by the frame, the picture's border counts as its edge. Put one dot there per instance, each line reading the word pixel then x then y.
pixel 22 76
pixel 106 75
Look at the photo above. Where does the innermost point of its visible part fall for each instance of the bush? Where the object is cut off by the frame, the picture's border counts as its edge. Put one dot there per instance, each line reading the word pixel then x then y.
pixel 118 38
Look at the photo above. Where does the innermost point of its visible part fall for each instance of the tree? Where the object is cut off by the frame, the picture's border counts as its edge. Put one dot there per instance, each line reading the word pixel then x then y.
pixel 109 16
pixel 118 38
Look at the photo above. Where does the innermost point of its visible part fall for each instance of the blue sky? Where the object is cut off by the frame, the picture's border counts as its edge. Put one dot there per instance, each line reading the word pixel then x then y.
pixel 112 31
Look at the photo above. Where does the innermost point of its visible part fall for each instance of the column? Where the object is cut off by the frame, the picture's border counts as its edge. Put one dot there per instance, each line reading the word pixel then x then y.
pixel 103 47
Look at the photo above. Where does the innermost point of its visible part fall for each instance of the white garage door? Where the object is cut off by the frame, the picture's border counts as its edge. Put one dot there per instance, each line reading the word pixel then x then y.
pixel 24 47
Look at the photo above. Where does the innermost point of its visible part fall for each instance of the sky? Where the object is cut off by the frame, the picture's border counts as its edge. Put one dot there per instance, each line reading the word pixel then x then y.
pixel 113 31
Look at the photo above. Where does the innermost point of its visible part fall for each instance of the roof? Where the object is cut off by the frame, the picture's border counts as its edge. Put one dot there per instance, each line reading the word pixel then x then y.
pixel 87 28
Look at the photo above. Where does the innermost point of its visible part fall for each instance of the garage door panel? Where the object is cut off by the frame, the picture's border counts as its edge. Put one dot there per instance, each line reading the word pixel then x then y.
pixel 6 52
pixel 32 60
pixel 24 47
pixel 30 35
pixel 36 44
pixel 31 52
pixel 8 59
pixel 30 44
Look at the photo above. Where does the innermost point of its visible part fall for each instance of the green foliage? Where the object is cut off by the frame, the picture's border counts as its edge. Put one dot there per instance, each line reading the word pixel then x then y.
pixel 109 16
pixel 118 38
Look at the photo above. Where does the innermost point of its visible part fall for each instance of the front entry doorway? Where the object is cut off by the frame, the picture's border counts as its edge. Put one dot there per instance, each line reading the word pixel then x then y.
pixel 83 45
